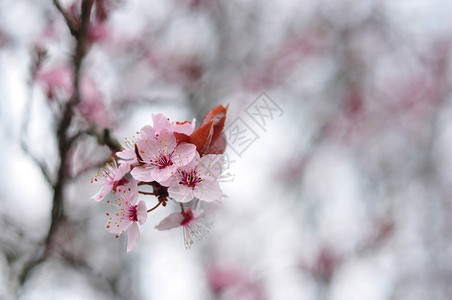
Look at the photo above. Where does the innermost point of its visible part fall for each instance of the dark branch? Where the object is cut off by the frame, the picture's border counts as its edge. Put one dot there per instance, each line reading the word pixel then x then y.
pixel 63 139
pixel 69 22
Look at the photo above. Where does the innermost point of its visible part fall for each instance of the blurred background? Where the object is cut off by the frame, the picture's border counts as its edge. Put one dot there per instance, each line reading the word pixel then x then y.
pixel 339 137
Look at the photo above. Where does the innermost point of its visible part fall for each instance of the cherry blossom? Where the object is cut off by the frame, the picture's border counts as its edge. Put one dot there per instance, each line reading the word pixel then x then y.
pixel 110 177
pixel 164 157
pixel 191 222
pixel 129 154
pixel 129 214
pixel 161 156
pixel 198 179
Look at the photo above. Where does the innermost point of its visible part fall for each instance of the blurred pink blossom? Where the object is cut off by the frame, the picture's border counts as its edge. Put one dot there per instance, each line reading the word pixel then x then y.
pixel 92 106
pixel 56 80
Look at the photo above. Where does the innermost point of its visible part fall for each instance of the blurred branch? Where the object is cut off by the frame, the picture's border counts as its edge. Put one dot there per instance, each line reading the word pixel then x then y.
pixel 63 139
pixel 81 264
pixel 103 138
pixel 69 22
pixel 24 126
pixel 41 165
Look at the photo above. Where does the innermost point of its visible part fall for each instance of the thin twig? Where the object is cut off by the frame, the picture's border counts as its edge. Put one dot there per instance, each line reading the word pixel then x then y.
pixel 69 22
pixel 147 193
pixel 41 165
pixel 158 204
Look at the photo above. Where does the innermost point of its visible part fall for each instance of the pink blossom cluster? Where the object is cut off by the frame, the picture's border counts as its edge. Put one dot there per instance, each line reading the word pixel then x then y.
pixel 178 162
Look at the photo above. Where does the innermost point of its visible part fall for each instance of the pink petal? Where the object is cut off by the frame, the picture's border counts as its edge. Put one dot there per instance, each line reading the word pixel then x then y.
pixel 184 154
pixel 211 165
pixel 132 236
pixel 133 193
pixel 124 196
pixel 117 224
pixel 180 192
pixel 142 212
pixel 208 191
pixel 160 123
pixel 185 128
pixel 162 175
pixel 166 141
pixel 121 171
pixel 172 221
pixel 142 173
pixel 193 164
pixel 102 193
pixel 126 154
pixel 147 132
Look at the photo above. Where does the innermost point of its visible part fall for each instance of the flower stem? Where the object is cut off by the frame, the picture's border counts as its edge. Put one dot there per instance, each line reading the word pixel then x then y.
pixel 145 183
pixel 147 193
pixel 149 210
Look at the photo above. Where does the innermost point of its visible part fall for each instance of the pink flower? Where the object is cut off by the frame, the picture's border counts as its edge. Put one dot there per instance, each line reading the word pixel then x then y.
pixel 128 154
pixel 111 177
pixel 191 224
pixel 128 215
pixel 161 123
pixel 160 155
pixel 198 179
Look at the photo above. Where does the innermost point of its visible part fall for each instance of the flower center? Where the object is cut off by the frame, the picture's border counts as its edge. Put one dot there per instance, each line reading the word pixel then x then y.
pixel 189 178
pixel 188 216
pixel 162 160
pixel 133 214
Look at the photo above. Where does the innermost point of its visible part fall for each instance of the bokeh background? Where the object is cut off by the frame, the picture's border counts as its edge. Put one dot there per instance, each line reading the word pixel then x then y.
pixel 338 187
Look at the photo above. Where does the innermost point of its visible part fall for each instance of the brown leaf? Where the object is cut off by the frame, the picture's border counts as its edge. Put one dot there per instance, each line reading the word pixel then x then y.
pixel 202 137
pixel 217 147
pixel 218 117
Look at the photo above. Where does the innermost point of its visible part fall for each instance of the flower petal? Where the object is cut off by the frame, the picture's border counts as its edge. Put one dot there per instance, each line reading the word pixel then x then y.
pixel 124 197
pixel 180 192
pixel 142 173
pixel 126 154
pixel 132 236
pixel 161 123
pixel 184 154
pixel 146 132
pixel 162 175
pixel 211 165
pixel 208 191
pixel 121 171
pixel 185 127
pixel 172 221
pixel 132 194
pixel 118 223
pixel 166 142
pixel 102 193
pixel 142 212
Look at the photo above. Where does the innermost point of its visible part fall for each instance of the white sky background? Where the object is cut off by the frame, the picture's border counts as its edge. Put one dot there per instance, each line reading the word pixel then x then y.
pixel 317 178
